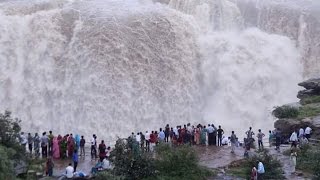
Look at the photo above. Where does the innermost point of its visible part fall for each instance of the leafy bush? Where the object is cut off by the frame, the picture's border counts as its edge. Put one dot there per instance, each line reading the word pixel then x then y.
pixel 310 100
pixel 285 112
pixel 129 163
pixel 179 162
pixel 167 163
pixel 273 167
pixel 309 160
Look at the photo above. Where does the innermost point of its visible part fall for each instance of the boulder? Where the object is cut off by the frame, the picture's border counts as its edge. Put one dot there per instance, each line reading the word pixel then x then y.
pixel 311 84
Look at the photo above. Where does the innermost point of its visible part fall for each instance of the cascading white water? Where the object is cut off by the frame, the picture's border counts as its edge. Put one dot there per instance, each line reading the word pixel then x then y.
pixel 112 67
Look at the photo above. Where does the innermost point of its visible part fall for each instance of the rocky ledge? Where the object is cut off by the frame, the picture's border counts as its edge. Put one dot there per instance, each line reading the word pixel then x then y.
pixel 312 87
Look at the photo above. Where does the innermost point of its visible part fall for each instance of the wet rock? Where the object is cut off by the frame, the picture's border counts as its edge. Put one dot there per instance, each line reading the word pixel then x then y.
pixel 307 93
pixel 311 84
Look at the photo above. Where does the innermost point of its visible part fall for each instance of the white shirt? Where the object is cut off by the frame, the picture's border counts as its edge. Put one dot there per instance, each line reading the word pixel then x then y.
pixel 225 140
pixel 176 132
pixel 301 132
pixel 23 139
pixel 308 130
pixel 210 129
pixel 294 137
pixel 147 136
pixel 93 141
pixel 69 172
pixel 138 138
pixel 260 168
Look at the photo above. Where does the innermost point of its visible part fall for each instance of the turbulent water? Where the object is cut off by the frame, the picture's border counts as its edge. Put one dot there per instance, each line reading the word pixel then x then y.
pixel 111 67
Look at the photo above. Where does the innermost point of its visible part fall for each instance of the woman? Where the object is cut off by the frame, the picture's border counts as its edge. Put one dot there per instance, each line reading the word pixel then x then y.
pixel 254 174
pixel 197 135
pixel 293 158
pixel 55 148
pixel 203 135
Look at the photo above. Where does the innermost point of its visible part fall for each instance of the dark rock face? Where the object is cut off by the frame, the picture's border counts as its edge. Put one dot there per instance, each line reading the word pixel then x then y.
pixel 311 84
pixel 287 126
pixel 312 87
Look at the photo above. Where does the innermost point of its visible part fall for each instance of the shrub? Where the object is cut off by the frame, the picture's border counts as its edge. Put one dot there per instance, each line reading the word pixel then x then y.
pixel 179 162
pixel 307 111
pixel 273 168
pixel 129 163
pixel 310 100
pixel 309 160
pixel 285 112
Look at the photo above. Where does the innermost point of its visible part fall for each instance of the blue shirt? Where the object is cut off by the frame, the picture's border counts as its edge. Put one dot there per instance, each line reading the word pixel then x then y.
pixel 75 157
pixel 162 135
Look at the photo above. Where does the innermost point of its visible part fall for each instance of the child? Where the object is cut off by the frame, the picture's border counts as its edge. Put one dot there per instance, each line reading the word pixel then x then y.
pixel 49 166
pixel 254 175
pixel 293 158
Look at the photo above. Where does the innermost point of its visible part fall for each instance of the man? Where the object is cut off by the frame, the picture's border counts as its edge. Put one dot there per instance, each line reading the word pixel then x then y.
pixel 23 140
pixel 220 133
pixel 250 134
pixel 69 171
pixel 260 136
pixel 167 132
pixel 82 143
pixel 44 144
pixel 162 135
pixel 214 139
pixel 36 141
pixel 308 132
pixel 93 147
pixel 294 139
pixel 233 140
pixel 75 159
pixel 210 134
pixel 142 140
pixel 30 142
pixel 147 137
pixel 138 138
pixel 50 143
pixel 278 138
pixel 301 134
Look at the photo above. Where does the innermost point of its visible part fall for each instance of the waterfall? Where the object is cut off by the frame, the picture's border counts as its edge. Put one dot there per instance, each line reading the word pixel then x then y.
pixel 110 67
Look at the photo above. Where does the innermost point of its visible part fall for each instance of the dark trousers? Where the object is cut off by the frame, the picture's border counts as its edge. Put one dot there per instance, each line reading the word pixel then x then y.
pixel 30 148
pixel 75 164
pixel 219 140
pixel 44 151
pixel 148 145
pixel 210 139
pixel 93 152
pixel 50 148
pixel 214 140
pixel 166 137
pixel 260 144
pixel 260 176
pixel 294 144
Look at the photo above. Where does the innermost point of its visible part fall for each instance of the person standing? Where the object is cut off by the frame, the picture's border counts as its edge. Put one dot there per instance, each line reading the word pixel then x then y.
pixel 50 142
pixel 254 173
pixel 301 134
pixel 210 134
pixel 167 133
pixel 147 137
pixel 30 142
pixel 233 140
pixel 270 138
pixel 36 142
pixel 23 140
pixel 44 144
pixel 220 133
pixel 49 166
pixel 203 135
pixel 278 138
pixel 55 148
pixel 82 143
pixel 260 136
pixel 93 147
pixel 293 158
pixel 102 150
pixel 308 132
pixel 250 134
pixel 294 139
pixel 214 137
pixel 75 159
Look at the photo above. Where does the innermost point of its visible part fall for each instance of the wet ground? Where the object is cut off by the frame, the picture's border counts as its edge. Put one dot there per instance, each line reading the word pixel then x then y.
pixel 210 156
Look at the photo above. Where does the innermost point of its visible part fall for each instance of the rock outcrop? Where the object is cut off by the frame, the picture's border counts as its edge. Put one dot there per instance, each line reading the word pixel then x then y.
pixel 312 87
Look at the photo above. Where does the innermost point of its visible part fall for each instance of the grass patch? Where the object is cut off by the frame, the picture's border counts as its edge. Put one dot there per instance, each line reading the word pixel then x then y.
pixel 307 111
pixel 310 100
pixel 308 160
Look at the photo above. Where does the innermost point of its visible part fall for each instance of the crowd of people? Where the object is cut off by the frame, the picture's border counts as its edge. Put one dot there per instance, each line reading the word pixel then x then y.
pixel 68 146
